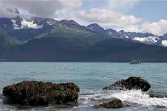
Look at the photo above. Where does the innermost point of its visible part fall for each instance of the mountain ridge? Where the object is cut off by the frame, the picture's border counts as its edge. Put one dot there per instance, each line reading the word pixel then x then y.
pixel 146 38
pixel 46 39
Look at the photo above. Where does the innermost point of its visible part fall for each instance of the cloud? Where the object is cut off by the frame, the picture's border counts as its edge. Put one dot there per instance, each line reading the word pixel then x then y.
pixel 106 17
pixel 5 13
pixel 157 28
pixel 122 5
pixel 43 8
pixel 111 16
pixel 71 3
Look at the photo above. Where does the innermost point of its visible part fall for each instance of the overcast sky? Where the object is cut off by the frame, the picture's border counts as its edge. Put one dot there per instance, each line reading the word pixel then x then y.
pixel 129 15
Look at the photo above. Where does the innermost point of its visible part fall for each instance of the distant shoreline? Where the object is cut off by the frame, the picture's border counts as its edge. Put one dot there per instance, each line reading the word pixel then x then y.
pixel 90 61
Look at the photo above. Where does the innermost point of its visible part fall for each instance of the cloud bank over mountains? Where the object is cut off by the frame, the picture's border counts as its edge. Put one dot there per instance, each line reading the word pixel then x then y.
pixel 42 8
pixel 113 15
pixel 107 17
pixel 157 28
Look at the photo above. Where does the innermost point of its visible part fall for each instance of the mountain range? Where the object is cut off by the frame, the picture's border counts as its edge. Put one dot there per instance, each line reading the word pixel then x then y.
pixel 24 38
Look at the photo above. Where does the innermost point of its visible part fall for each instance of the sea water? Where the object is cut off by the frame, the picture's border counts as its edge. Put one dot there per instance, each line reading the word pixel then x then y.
pixel 91 78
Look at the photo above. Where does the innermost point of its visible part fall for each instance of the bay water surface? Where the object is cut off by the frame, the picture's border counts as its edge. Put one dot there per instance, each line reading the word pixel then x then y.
pixel 91 78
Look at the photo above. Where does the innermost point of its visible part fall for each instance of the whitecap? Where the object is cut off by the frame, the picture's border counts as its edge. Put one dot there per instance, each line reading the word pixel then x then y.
pixel 129 96
pixel 139 97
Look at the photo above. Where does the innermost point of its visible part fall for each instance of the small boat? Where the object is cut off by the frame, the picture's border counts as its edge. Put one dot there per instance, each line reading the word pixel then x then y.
pixel 136 62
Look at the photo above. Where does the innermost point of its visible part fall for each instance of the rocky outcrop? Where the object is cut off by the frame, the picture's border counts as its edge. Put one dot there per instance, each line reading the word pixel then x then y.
pixel 116 103
pixel 130 83
pixel 39 93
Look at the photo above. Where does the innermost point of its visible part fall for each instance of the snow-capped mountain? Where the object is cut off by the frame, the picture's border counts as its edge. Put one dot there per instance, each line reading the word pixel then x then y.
pixel 146 38
pixel 25 24
pixel 32 27
pixel 23 21
pixel 25 38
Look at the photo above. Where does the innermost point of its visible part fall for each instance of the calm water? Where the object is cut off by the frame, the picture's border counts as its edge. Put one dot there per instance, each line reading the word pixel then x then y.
pixel 91 78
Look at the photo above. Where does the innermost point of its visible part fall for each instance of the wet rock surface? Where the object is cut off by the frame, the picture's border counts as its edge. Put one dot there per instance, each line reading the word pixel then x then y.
pixel 52 110
pixel 130 83
pixel 37 93
pixel 157 95
pixel 115 103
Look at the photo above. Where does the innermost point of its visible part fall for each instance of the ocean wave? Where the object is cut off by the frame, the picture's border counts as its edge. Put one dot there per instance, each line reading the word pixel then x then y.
pixel 141 98
pixel 129 96
pixel 96 95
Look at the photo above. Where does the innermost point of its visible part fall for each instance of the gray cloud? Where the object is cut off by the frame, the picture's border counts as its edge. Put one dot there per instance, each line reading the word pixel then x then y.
pixel 110 16
pixel 157 28
pixel 43 8
pixel 4 11
pixel 107 17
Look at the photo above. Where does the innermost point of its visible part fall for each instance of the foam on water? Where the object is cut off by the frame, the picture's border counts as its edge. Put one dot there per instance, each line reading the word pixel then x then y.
pixel 130 96
pixel 96 95
pixel 139 97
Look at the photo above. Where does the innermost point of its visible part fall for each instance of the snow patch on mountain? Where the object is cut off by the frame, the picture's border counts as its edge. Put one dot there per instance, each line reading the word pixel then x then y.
pixel 127 37
pixel 29 24
pixel 149 40
pixel 49 23
pixel 164 43
pixel 140 39
pixel 110 32
pixel 25 24
pixel 16 27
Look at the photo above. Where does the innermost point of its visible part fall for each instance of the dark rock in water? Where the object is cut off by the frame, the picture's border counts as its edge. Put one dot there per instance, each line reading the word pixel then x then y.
pixel 23 107
pixel 130 83
pixel 161 107
pixel 157 95
pixel 116 103
pixel 52 110
pixel 39 93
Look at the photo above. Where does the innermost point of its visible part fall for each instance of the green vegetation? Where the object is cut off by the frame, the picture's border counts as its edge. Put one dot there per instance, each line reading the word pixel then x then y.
pixel 6 40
